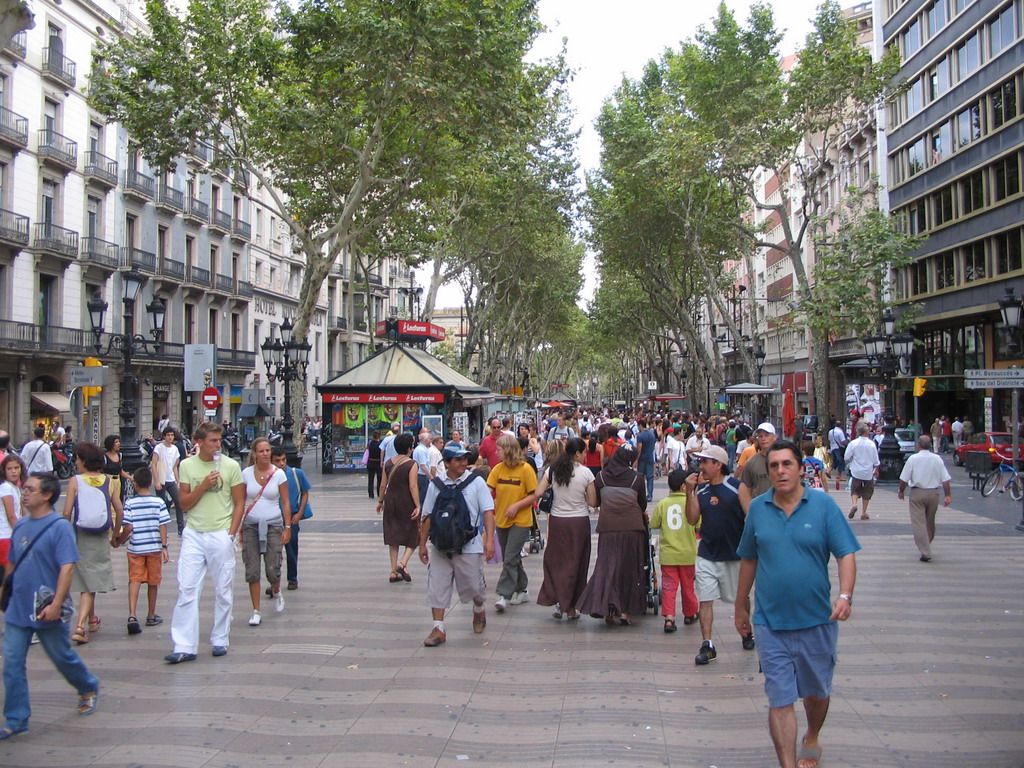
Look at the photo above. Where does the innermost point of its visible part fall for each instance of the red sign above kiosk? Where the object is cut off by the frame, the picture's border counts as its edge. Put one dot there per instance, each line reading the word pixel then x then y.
pixel 410 330
pixel 379 397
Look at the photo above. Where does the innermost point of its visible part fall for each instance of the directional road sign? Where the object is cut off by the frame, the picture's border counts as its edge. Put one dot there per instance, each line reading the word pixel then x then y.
pixel 994 378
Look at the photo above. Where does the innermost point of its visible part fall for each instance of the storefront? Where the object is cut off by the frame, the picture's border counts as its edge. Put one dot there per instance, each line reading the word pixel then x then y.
pixel 399 384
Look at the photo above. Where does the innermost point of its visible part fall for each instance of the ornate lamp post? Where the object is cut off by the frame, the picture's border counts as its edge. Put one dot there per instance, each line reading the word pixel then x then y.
pixel 889 353
pixel 129 345
pixel 286 360
pixel 1010 307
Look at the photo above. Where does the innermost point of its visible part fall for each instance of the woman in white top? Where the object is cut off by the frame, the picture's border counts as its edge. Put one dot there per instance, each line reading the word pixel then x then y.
pixel 12 470
pixel 567 556
pixel 266 526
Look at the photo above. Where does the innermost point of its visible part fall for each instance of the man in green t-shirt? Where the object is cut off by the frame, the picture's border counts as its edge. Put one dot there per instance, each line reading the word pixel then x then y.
pixel 213 494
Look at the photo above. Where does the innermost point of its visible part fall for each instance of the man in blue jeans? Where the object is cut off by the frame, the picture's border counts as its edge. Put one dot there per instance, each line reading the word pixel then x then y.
pixel 645 442
pixel 298 495
pixel 43 571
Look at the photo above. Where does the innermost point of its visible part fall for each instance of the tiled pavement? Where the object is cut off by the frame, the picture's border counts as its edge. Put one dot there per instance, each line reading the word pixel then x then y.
pixel 929 675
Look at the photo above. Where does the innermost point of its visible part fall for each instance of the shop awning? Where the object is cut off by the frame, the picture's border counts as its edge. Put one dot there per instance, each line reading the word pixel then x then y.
pixel 52 401
pixel 748 388
pixel 253 411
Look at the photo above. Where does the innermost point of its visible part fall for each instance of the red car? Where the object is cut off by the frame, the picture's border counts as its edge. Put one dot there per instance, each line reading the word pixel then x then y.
pixel 998 444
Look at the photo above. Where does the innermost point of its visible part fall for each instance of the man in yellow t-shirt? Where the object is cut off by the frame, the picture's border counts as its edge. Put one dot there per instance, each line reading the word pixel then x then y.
pixel 213 493
pixel 677 552
pixel 513 481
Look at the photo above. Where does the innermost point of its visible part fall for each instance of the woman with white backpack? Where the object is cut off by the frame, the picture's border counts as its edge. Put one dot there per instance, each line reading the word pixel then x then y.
pixel 94 512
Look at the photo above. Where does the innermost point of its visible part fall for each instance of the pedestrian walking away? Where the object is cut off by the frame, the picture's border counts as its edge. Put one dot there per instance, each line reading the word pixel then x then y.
pixel 861 457
pixel 677 552
pixel 213 494
pixel 791 532
pixel 462 570
pixel 924 473
pixel 298 498
pixel 42 558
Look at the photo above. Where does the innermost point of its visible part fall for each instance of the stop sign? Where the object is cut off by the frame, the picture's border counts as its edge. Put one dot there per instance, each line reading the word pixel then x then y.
pixel 211 398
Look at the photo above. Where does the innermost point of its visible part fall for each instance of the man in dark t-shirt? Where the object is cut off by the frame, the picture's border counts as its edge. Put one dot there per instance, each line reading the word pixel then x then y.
pixel 645 441
pixel 715 508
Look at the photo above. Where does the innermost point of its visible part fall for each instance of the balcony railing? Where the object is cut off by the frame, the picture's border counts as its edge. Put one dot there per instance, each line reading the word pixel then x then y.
pixel 236 358
pixel 201 150
pixel 225 284
pixel 171 197
pixel 341 322
pixel 198 276
pixel 339 269
pixel 241 229
pixel 139 183
pixel 50 237
pixel 197 209
pixel 58 148
pixel 13 127
pixel 100 252
pixel 244 289
pixel 19 44
pixel 32 338
pixel 172 269
pixel 101 167
pixel 375 279
pixel 221 220
pixel 137 258
pixel 13 227
pixel 59 66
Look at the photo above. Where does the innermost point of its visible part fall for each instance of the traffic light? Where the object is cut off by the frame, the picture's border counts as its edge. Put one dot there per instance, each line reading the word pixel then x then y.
pixel 920 385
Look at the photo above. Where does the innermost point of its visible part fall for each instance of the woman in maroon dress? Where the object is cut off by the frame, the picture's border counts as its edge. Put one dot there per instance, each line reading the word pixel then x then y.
pixel 400 505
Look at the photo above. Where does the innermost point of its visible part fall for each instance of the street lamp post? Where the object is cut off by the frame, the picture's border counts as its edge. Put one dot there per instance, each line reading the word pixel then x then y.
pixel 889 352
pixel 286 360
pixel 1010 307
pixel 129 345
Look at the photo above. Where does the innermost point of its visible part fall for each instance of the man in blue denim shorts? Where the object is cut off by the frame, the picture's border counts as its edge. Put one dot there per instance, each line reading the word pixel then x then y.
pixel 790 533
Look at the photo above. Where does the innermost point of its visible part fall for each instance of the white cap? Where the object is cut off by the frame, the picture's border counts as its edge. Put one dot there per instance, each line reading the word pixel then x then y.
pixel 766 426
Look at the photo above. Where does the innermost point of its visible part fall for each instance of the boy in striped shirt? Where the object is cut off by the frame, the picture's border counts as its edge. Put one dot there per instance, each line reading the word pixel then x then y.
pixel 145 529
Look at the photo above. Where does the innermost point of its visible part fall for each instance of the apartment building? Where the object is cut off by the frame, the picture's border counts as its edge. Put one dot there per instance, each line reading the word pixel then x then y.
pixel 953 144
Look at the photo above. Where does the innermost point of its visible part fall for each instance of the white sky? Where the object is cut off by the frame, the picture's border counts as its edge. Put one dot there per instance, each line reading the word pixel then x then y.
pixel 606 41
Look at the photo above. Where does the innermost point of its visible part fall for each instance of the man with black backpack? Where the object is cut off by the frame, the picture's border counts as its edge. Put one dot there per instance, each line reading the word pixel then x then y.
pixel 458 519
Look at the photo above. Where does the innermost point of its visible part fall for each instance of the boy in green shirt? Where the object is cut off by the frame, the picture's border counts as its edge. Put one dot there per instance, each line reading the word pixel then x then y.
pixel 677 552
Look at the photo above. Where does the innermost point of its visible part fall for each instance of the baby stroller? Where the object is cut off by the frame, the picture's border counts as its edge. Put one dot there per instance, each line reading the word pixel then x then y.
pixel 650 573
pixel 535 544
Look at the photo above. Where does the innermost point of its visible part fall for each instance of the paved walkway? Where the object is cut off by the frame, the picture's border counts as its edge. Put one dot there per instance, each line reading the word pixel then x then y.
pixel 929 674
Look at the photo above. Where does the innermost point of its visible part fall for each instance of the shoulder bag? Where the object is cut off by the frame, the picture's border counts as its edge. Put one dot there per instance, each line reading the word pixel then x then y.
pixel 8 585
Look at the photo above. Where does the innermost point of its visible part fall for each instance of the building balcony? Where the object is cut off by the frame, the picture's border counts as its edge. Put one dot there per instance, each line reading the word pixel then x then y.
pixel 32 338
pixel 221 221
pixel 13 129
pixel 57 149
pixel 54 239
pixel 240 179
pixel 100 168
pixel 359 325
pixel 375 279
pixel 18 46
pixel 197 210
pixel 244 289
pixel 136 258
pixel 341 323
pixel 197 276
pixel 339 270
pixel 170 199
pixel 241 230
pixel 139 186
pixel 100 252
pixel 236 358
pixel 13 228
pixel 172 270
pixel 201 151
pixel 224 284
pixel 59 67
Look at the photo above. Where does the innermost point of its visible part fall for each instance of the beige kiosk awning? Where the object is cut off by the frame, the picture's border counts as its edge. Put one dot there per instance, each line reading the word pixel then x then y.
pixel 52 401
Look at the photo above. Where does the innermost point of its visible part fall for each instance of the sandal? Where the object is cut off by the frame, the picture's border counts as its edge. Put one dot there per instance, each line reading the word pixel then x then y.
pixel 394 577
pixel 94 624
pixel 670 625
pixel 87 703
pixel 79 636
pixel 7 733
pixel 133 626
pixel 400 570
pixel 572 615
pixel 154 620
pixel 864 517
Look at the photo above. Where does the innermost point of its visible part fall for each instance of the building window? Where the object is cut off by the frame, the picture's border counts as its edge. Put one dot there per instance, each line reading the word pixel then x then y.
pixel 49 204
pixel 919 278
pixel 190 252
pixel 943 206
pixel 236 331
pixel 972 192
pixel 1002 30
pixel 915 98
pixel 974 262
pixel 938 79
pixel 917 218
pixel 968 125
pixel 1007 251
pixel 937 17
pixel 942 142
pixel 214 261
pixel 1006 177
pixel 915 157
pixel 213 339
pixel 945 270
pixel 912 39
pixel 1004 103
pixel 93 217
pixel 190 323
pixel 968 56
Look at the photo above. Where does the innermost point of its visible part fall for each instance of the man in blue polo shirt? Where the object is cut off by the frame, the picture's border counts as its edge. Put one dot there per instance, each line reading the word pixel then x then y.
pixel 790 533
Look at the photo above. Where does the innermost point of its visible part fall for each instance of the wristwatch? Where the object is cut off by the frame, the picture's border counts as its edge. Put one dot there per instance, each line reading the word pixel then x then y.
pixel 847 598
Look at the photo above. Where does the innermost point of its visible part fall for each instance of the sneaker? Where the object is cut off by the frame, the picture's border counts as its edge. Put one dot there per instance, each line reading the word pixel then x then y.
pixel 220 650
pixel 279 602
pixel 177 658
pixel 748 642
pixel 293 585
pixel 500 604
pixel 435 638
pixel 255 619
pixel 479 621
pixel 706 654
pixel 518 598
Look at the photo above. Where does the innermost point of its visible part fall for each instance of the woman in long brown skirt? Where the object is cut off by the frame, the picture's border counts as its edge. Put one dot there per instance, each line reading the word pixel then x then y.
pixel 400 505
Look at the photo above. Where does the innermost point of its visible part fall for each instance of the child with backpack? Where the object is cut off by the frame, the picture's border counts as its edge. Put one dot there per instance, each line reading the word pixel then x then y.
pixel 145 529
pixel 458 520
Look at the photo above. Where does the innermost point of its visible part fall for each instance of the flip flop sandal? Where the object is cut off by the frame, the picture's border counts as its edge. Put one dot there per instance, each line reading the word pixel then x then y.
pixel 152 621
pixel 95 623
pixel 79 636
pixel 809 757
pixel 133 626
pixel 87 703
pixel 400 570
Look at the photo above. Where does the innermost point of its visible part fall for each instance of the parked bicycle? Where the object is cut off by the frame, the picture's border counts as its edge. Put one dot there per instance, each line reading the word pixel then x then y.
pixel 1005 477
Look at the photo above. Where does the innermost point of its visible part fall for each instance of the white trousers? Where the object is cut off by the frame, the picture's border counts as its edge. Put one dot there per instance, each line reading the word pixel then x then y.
pixel 202 552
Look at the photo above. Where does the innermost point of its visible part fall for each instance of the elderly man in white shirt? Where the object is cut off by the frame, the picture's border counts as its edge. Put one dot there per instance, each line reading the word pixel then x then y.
pixel 862 462
pixel 924 473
